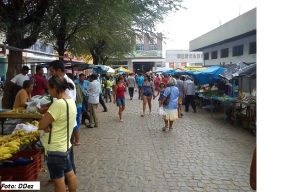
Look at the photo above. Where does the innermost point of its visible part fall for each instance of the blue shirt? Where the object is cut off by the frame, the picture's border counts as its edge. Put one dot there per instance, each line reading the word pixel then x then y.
pixel 140 80
pixel 83 86
pixel 173 101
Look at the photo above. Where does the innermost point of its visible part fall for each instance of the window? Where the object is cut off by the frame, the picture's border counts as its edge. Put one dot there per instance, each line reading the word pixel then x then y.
pixel 186 56
pixel 153 47
pixel 178 56
pixel 238 50
pixel 139 47
pixel 214 55
pixel 224 52
pixel 252 48
pixel 206 56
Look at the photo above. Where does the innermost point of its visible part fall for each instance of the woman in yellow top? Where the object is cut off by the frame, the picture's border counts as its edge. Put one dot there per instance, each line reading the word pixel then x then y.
pixel 24 95
pixel 59 122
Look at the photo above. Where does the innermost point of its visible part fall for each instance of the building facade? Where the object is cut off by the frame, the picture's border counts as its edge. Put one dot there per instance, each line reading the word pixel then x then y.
pixel 182 58
pixel 147 55
pixel 230 43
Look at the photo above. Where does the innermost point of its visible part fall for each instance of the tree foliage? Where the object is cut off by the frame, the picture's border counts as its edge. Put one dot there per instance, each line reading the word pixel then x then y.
pixel 20 21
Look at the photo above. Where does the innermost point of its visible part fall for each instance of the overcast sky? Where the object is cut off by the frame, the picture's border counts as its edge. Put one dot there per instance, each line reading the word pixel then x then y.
pixel 199 17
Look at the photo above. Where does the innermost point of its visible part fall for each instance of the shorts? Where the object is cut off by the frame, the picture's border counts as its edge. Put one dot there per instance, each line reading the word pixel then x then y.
pixel 57 171
pixel 180 101
pixel 147 93
pixel 120 102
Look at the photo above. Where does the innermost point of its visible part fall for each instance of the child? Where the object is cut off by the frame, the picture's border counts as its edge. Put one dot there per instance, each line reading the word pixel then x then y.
pixel 162 88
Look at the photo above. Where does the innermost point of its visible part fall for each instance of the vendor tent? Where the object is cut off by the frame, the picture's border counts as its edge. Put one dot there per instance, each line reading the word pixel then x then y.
pixel 209 75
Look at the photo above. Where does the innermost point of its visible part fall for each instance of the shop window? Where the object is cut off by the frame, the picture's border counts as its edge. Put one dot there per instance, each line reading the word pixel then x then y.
pixel 252 48
pixel 224 52
pixel 206 56
pixel 238 50
pixel 214 55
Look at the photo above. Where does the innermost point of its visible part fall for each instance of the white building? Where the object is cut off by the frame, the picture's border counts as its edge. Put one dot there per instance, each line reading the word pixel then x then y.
pixel 232 42
pixel 182 58
pixel 146 57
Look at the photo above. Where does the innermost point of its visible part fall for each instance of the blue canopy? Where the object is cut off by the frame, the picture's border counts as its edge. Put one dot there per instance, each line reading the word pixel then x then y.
pixel 100 69
pixel 169 72
pixel 209 75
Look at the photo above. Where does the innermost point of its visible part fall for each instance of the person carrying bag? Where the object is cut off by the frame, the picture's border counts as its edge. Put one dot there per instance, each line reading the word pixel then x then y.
pixel 58 123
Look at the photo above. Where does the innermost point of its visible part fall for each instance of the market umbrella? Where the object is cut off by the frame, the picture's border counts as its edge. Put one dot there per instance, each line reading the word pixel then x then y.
pixel 122 70
pixel 161 69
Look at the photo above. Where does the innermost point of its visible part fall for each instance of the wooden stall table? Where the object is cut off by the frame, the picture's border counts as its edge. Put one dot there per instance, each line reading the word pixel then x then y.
pixel 4 114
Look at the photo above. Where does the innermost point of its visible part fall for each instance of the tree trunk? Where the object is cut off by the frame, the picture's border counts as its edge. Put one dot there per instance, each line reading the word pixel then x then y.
pixel 14 64
pixel 96 59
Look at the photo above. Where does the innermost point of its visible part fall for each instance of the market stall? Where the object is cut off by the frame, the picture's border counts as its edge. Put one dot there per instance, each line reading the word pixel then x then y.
pixel 20 155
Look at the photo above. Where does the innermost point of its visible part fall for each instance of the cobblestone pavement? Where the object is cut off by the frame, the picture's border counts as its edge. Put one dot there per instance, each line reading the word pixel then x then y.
pixel 201 153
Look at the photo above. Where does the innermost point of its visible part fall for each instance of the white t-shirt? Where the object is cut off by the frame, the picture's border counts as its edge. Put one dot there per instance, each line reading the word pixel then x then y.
pixel 19 79
pixel 71 93
pixel 93 92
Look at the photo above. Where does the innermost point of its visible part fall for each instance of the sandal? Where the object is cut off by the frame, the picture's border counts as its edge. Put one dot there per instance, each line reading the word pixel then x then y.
pixel 142 115
pixel 164 128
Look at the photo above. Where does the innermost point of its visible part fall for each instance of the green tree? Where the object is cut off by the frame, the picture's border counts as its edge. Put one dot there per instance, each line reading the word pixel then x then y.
pixel 65 18
pixel 20 20
pixel 115 24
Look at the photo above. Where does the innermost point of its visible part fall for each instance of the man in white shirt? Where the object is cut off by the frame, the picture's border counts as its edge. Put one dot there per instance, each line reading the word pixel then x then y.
pixel 93 92
pixel 20 78
pixel 131 85
pixel 189 92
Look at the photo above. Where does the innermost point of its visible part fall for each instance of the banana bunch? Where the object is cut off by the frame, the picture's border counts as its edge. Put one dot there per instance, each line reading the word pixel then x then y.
pixel 34 123
pixel 10 144
pixel 5 153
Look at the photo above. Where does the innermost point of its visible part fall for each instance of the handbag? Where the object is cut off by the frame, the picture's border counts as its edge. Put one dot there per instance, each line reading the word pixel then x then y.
pixel 58 158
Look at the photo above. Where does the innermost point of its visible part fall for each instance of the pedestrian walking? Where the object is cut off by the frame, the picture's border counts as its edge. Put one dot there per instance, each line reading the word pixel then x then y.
pixel 131 85
pixel 148 93
pixel 60 116
pixel 140 80
pixel 160 93
pixel 170 102
pixel 179 85
pixel 101 96
pixel 93 92
pixel 189 90
pixel 119 96
pixel 79 101
pixel 84 84
pixel 108 88
pixel 157 81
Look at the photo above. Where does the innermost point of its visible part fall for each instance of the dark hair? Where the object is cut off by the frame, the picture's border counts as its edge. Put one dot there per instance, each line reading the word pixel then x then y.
pixel 81 74
pixel 27 83
pixel 71 76
pixel 26 68
pixel 94 76
pixel 38 67
pixel 59 83
pixel 57 64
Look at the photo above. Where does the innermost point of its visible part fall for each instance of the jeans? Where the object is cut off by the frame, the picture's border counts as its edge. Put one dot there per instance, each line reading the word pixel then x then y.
pixel 189 99
pixel 102 102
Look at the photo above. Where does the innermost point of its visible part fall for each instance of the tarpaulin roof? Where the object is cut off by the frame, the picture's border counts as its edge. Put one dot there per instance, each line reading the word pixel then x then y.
pixel 209 75
pixel 230 70
pixel 248 71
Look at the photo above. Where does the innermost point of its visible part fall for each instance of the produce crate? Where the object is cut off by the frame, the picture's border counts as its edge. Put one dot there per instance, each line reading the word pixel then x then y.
pixel 28 172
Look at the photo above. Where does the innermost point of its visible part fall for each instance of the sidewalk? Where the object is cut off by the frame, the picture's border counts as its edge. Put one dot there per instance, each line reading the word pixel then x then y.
pixel 201 153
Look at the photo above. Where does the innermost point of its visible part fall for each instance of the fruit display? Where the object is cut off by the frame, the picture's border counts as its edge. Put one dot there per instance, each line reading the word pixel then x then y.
pixel 10 144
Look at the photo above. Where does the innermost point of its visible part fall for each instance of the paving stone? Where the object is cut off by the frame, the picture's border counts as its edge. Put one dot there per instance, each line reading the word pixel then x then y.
pixel 202 153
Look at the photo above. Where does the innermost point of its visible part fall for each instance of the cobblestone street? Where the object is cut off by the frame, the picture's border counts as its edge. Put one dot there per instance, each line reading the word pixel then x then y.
pixel 201 153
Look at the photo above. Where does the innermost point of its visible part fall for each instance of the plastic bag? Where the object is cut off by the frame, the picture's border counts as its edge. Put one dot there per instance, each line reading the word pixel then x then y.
pixel 26 128
pixel 161 111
